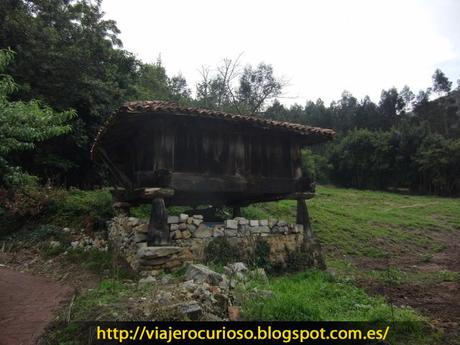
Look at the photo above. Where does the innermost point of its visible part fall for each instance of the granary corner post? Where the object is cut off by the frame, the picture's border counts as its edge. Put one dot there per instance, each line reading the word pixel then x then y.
pixel 158 231
pixel 309 240
pixel 304 218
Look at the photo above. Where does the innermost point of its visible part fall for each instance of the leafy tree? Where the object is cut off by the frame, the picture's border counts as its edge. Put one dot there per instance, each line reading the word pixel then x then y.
pixel 344 111
pixel 68 56
pixel 408 98
pixel 441 84
pixel 23 125
pixel 243 92
pixel 179 88
pixel 438 163
pixel 257 86
pixel 152 82
pixel 391 104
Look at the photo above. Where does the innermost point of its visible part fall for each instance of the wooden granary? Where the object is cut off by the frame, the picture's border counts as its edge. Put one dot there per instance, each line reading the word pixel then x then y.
pixel 161 153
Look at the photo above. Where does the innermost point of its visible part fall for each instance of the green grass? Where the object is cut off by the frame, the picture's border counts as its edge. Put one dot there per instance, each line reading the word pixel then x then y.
pixel 109 292
pixel 370 223
pixel 347 271
pixel 102 303
pixel 318 296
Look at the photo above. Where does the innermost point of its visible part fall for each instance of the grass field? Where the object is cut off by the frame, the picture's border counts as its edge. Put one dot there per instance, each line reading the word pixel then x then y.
pixel 404 248
pixel 367 223
pixel 390 257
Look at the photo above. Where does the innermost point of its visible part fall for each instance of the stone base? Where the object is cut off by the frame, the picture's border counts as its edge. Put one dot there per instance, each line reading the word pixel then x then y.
pixel 190 236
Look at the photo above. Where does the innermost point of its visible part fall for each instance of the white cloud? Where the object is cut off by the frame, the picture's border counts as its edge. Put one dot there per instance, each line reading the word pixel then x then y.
pixel 322 47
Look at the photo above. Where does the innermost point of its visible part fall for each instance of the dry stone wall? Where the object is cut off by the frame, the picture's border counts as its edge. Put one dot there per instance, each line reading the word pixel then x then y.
pixel 190 236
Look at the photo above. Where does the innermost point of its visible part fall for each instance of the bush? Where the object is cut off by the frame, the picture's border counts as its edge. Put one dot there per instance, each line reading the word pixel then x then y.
pixel 81 208
pixel 221 252
pixel 261 253
pixel 315 166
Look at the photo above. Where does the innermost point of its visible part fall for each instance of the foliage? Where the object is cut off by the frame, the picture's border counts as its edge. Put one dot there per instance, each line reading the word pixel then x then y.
pixel 365 159
pixel 95 260
pixel 315 166
pixel 19 208
pixel 23 125
pixel 298 260
pixel 244 92
pixel 257 86
pixel 220 251
pixel 41 233
pixel 404 141
pixel 70 57
pixel 441 83
pixel 57 207
pixel 79 208
pixel 261 253
pixel 154 84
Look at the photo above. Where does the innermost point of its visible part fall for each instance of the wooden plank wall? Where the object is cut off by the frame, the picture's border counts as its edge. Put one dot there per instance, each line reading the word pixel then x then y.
pixel 187 144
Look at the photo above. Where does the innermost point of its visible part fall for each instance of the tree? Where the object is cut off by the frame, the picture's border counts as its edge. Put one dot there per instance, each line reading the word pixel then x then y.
pixel 257 86
pixel 345 111
pixel 408 98
pixel 441 84
pixel 23 125
pixel 179 88
pixel 391 104
pixel 227 88
pixel 153 83
pixel 68 56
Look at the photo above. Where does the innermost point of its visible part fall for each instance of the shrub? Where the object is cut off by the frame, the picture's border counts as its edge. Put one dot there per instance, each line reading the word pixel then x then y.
pixel 81 208
pixel 261 253
pixel 221 251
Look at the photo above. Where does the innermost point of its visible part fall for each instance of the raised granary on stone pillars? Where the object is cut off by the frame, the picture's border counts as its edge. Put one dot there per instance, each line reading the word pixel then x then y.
pixel 167 155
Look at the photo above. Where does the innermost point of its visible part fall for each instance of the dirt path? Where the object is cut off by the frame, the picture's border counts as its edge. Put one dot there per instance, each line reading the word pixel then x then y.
pixel 27 304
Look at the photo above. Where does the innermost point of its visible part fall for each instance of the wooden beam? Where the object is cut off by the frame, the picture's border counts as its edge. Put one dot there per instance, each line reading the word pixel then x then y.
pixel 141 194
pixel 158 192
pixel 124 180
pixel 196 182
pixel 297 196
pixel 158 230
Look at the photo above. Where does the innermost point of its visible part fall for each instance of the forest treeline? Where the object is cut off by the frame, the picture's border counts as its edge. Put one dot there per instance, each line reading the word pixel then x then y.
pixel 64 70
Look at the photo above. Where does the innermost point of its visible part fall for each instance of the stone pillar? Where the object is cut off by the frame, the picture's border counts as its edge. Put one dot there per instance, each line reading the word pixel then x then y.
pixel 158 230
pixel 304 218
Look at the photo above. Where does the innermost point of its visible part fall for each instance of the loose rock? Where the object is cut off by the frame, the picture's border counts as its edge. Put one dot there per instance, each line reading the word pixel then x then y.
pixel 201 274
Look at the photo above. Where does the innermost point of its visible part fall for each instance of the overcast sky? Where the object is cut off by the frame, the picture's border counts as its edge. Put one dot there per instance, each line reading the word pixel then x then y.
pixel 321 47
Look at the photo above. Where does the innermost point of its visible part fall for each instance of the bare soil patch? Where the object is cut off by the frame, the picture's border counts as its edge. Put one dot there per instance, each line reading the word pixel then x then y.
pixel 439 301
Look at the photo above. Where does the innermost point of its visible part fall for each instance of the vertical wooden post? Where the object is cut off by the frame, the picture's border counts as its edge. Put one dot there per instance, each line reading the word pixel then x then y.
pixel 236 212
pixel 158 231
pixel 304 218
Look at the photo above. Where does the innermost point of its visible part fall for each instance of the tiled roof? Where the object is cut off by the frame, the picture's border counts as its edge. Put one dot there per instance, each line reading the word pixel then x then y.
pixel 320 134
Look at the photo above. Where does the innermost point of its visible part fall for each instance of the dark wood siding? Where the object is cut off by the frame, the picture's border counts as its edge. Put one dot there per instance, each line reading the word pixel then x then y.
pixel 193 145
